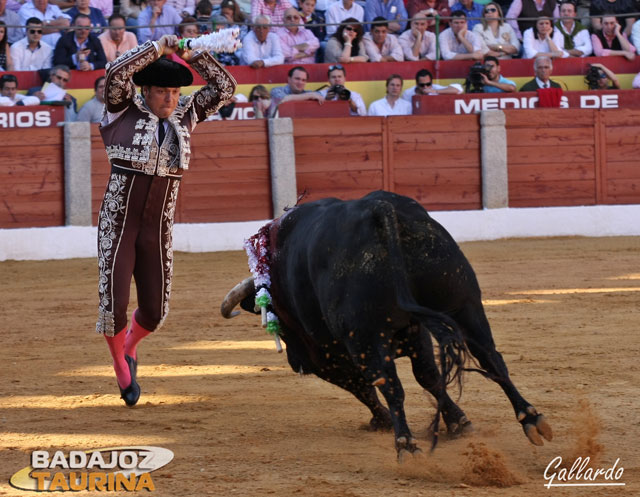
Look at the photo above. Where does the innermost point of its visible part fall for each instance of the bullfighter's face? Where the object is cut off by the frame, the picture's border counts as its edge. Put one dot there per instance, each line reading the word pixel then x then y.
pixel 161 101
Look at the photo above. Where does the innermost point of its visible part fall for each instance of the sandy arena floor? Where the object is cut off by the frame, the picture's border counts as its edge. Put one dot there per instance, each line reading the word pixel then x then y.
pixel 565 314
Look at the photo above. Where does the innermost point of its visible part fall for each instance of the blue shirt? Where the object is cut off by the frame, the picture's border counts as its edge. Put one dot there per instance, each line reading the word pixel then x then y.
pixel 476 11
pixel 392 10
pixel 168 16
pixel 95 15
pixel 494 89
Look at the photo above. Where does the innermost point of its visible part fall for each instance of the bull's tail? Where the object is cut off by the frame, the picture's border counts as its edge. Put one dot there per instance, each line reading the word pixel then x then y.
pixel 452 348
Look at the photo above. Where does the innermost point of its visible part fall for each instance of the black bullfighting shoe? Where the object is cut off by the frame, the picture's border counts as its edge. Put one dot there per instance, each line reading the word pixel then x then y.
pixel 131 394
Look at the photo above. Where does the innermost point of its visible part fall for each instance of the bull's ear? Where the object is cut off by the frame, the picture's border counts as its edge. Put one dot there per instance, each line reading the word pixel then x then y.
pixel 249 303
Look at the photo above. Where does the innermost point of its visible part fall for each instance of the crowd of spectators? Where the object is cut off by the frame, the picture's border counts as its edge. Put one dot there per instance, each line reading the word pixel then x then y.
pixel 85 35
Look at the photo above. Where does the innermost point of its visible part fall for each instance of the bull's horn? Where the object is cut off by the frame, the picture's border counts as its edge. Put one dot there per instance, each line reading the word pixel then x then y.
pixel 235 296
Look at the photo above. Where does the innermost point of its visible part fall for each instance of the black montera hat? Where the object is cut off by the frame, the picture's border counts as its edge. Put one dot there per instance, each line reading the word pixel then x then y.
pixel 165 73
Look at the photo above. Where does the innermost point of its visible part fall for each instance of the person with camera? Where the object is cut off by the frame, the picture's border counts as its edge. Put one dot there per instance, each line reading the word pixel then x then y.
pixel 337 91
pixel 601 78
pixel 458 43
pixel 426 86
pixel 491 79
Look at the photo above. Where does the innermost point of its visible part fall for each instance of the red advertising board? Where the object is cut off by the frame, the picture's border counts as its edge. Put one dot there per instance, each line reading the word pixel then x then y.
pixel 472 103
pixel 33 116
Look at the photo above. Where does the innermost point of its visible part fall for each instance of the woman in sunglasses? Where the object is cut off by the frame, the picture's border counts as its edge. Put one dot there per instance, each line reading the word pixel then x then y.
pixel 261 100
pixel 6 64
pixel 346 45
pixel 497 34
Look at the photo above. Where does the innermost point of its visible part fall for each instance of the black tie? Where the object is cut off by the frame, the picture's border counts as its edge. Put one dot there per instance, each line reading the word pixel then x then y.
pixel 161 132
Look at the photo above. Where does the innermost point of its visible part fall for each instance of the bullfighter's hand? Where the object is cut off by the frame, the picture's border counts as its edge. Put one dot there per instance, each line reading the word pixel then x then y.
pixel 168 44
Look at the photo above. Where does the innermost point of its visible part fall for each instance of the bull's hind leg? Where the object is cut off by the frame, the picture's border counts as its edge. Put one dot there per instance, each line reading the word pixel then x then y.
pixel 417 345
pixel 378 369
pixel 477 333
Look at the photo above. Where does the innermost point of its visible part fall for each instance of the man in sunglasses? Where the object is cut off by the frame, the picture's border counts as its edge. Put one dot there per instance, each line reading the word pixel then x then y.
pixel 53 19
pixel 60 76
pixel 80 48
pixel 31 53
pixel 426 86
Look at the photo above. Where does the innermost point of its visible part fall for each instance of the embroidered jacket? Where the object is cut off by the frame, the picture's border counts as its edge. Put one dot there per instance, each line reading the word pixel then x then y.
pixel 129 127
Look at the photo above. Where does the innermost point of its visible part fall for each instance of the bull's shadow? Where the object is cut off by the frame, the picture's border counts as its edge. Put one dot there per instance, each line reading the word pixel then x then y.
pixel 356 284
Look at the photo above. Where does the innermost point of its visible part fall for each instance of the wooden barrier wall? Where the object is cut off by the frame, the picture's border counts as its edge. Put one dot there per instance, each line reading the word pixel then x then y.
pixel 434 159
pixel 568 157
pixel 228 177
pixel 32 178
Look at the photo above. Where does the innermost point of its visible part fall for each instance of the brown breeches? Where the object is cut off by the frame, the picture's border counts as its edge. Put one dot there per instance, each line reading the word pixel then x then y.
pixel 135 227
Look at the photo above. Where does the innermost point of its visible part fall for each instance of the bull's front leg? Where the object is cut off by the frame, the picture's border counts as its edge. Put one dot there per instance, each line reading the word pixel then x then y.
pixel 378 368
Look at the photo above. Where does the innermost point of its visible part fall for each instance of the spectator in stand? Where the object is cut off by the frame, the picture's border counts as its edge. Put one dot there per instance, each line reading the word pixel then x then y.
pixel 440 7
pixel 337 79
pixel 341 11
pixel 9 95
pixel 203 16
pixel 380 45
pixel 273 8
pixel 261 100
pixel 157 14
pixel 231 10
pixel 570 35
pixel 297 78
pixel 6 63
pixel 80 48
pixel 187 29
pixel 391 104
pixel 261 47
pixel 117 40
pixel 538 41
pixel 496 82
pixel 131 10
pixel 228 59
pixel 393 11
pixel 458 43
pixel 82 7
pixel 618 8
pixel 299 45
pixel 10 18
pixel 522 14
pixel 186 8
pixel 611 40
pixel 601 78
pixel 105 6
pixel 471 10
pixel 31 53
pixel 60 76
pixel 426 86
pixel 496 34
pixel 418 43
pixel 346 45
pixel 635 35
pixel 543 67
pixel 53 19
pixel 311 16
pixel 636 81
pixel 93 110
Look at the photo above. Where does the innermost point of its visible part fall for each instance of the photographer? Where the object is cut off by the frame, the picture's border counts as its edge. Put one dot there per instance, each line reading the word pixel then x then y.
pixel 492 80
pixel 337 91
pixel 600 78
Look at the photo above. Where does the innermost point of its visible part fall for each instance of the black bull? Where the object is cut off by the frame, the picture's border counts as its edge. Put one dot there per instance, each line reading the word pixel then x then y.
pixel 356 284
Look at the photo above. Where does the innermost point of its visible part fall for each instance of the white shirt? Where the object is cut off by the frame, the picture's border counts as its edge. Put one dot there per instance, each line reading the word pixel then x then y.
pixel 382 108
pixel 581 41
pixel 26 60
pixel 409 93
pixel 270 52
pixel 336 13
pixel 26 100
pixel 52 13
pixel 635 35
pixel 427 47
pixel 357 99
pixel 391 46
pixel 533 46
pixel 450 46
pixel 506 35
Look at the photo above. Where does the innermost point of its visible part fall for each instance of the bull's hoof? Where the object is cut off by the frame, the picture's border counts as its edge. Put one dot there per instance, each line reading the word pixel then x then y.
pixel 535 426
pixel 462 427
pixel 380 423
pixel 406 446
